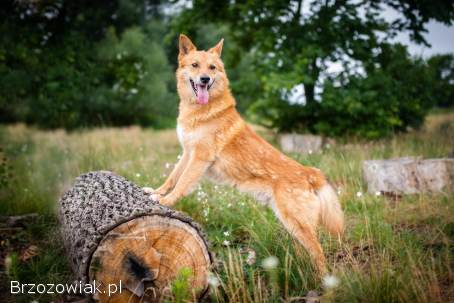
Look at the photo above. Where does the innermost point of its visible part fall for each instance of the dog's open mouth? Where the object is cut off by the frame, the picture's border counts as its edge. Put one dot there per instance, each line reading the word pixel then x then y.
pixel 201 91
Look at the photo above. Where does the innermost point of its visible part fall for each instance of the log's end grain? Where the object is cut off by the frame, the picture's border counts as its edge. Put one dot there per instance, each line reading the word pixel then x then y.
pixel 146 255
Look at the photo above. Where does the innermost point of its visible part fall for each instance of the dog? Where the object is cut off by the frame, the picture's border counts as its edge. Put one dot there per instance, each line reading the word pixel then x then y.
pixel 218 143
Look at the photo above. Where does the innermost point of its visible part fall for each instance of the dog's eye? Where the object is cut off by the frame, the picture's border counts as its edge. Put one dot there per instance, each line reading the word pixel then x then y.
pixel 212 67
pixel 195 65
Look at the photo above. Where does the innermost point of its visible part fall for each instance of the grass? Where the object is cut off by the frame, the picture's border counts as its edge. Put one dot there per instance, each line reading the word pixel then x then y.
pixel 394 250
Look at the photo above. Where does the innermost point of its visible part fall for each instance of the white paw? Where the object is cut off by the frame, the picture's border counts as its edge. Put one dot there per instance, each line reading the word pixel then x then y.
pixel 155 197
pixel 148 190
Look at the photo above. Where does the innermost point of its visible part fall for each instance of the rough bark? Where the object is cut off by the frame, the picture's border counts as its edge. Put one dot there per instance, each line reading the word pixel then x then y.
pixel 112 230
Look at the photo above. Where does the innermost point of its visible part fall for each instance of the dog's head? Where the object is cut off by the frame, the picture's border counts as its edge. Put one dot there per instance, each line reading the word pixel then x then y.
pixel 200 75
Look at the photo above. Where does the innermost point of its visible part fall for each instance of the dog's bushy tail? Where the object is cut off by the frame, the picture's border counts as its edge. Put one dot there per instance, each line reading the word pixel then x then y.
pixel 331 214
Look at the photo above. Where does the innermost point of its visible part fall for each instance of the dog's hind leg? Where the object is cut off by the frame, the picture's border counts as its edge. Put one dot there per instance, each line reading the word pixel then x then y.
pixel 299 212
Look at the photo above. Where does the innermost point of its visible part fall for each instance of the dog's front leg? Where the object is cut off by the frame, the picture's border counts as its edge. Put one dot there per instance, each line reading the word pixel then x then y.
pixel 173 177
pixel 193 171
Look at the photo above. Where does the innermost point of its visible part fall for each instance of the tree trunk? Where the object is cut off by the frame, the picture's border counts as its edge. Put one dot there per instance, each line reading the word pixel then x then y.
pixel 309 92
pixel 309 88
pixel 114 232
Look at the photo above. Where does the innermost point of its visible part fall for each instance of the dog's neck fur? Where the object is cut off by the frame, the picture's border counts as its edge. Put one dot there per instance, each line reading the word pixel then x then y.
pixel 195 113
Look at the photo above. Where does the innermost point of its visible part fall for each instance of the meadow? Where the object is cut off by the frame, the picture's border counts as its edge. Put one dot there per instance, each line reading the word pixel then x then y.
pixel 395 249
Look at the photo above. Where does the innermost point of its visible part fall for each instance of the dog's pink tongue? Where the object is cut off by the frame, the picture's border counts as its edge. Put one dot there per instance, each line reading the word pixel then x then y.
pixel 202 94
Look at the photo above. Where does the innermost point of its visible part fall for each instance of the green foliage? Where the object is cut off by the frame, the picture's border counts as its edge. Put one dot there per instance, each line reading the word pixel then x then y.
pixel 135 88
pixel 82 68
pixel 5 170
pixel 393 96
pixel 442 69
pixel 395 93
pixel 180 286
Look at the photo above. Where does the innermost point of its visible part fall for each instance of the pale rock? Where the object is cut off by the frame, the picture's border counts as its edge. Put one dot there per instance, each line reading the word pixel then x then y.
pixel 306 144
pixel 409 175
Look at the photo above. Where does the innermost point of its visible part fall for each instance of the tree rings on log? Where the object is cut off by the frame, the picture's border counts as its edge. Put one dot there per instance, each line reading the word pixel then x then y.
pixel 146 255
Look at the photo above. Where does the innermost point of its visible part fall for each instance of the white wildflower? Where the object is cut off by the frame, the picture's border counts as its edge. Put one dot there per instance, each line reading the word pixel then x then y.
pixel 226 243
pixel 167 165
pixel 310 151
pixel 213 281
pixel 359 194
pixel 179 157
pixel 330 281
pixel 201 195
pixel 229 205
pixel 138 175
pixel 251 257
pixel 378 193
pixel 134 91
pixel 270 262
pixel 226 233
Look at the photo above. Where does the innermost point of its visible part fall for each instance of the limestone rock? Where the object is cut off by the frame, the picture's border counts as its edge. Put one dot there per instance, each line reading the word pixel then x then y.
pixel 409 175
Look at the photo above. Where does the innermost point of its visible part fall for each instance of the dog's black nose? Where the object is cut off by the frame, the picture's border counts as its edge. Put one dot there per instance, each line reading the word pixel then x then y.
pixel 204 79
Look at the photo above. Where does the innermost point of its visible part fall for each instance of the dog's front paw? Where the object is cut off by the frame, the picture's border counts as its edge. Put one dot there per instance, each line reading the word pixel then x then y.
pixel 168 200
pixel 156 197
pixel 148 190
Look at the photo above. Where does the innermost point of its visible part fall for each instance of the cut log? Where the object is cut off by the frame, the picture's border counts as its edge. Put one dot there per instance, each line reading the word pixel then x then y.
pixel 409 175
pixel 306 144
pixel 114 232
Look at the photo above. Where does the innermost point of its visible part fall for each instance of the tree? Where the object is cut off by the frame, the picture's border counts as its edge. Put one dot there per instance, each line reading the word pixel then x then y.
pixel 395 94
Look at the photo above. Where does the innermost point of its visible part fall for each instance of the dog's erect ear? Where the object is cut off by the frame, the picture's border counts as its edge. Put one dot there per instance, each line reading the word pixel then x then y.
pixel 217 49
pixel 185 46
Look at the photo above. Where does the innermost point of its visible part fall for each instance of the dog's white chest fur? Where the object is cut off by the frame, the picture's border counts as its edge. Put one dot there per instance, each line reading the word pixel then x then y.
pixel 191 136
pixel 180 134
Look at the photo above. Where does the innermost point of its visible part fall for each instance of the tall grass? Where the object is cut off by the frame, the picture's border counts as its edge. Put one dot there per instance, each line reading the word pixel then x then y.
pixel 393 250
